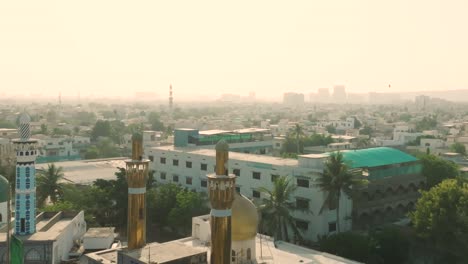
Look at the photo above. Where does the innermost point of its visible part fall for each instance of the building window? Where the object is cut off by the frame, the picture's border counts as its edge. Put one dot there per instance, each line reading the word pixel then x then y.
pixel 303 183
pixel 163 175
pixel 188 164
pixel 331 227
pixel 175 162
pixel 304 225
pixel 204 183
pixel 188 180
pixel 151 158
pixel 175 178
pixel 162 160
pixel 256 175
pixel 302 203
pixel 236 172
pixel 203 167
pixel 233 257
pixel 255 194
pixel 274 177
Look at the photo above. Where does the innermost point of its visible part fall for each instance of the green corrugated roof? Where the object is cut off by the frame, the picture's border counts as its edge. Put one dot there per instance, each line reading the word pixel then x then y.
pixel 374 157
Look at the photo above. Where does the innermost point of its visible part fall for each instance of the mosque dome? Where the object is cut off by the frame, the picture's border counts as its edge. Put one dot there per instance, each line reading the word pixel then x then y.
pixel 244 220
pixel 3 189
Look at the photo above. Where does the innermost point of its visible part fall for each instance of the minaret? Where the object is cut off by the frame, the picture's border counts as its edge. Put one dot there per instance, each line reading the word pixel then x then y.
pixel 25 215
pixel 137 175
pixel 221 192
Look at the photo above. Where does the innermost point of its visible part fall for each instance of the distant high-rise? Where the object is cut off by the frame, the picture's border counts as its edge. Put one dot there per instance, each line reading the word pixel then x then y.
pixel 293 98
pixel 323 95
pixel 339 94
pixel 171 98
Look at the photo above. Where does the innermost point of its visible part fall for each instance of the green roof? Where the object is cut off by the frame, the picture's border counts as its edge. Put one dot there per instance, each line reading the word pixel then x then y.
pixel 375 157
pixel 3 189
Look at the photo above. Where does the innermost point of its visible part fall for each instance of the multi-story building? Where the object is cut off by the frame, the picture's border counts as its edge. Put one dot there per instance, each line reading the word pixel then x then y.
pixel 53 149
pixel 293 98
pixel 339 94
pixel 189 167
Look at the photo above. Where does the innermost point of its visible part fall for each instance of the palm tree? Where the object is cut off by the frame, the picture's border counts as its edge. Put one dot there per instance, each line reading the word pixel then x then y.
pixel 276 209
pixel 48 184
pixel 298 133
pixel 337 178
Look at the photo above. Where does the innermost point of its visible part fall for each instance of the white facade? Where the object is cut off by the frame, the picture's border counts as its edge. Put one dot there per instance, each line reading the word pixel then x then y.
pixel 63 146
pixel 70 234
pixel 338 124
pixel 189 167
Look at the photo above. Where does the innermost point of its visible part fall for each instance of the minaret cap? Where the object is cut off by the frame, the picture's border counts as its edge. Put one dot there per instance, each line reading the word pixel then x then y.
pixel 24 118
pixel 222 145
pixel 137 146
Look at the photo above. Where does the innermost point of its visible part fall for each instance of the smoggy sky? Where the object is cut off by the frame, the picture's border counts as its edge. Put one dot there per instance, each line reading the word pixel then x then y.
pixel 214 47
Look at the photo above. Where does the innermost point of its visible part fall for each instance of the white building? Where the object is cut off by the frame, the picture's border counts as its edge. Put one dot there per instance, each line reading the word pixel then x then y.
pixel 189 167
pixel 338 124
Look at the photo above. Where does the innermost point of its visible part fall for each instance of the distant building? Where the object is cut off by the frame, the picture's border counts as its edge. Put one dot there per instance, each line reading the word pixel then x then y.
pixel 339 94
pixel 323 95
pixel 293 98
pixel 384 98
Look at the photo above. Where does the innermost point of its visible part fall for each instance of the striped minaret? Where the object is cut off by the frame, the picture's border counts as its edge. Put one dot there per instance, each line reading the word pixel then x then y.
pixel 221 191
pixel 25 213
pixel 137 175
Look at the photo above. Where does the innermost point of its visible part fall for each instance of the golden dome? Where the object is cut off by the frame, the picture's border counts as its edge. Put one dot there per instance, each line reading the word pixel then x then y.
pixel 244 219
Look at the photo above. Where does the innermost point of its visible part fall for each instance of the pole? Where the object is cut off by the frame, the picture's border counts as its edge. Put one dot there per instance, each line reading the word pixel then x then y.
pixel 8 224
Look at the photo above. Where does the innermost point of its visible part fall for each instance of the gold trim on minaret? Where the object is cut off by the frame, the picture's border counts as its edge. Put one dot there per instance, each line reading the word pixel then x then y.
pixel 137 175
pixel 221 190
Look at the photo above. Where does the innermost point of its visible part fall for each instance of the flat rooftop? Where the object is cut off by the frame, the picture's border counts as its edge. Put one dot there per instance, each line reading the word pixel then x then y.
pixel 87 171
pixel 234 156
pixel 96 232
pixel 48 226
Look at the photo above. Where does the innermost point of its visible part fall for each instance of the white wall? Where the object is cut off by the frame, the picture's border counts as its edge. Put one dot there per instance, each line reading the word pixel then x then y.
pixel 98 242
pixel 3 212
pixel 72 232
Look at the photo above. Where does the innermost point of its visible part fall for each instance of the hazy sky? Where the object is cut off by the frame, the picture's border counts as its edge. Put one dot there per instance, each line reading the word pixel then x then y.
pixel 215 47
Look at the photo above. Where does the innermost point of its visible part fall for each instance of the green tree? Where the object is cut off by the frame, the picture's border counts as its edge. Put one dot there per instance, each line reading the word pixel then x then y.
pixel 7 124
pixel 390 245
pixel 348 245
pixel 276 209
pixel 161 201
pixel 101 129
pixel 441 218
pixel 458 148
pixel 154 120
pixel 49 184
pixel 366 130
pixel 44 129
pixel 335 180
pixel 331 129
pixel 92 152
pixel 188 205
pixel 435 170
pixel 298 134
pixel 427 123
pixel 107 149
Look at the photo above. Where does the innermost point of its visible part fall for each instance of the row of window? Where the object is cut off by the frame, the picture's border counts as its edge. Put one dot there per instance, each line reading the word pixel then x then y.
pixel 27 153
pixel 255 175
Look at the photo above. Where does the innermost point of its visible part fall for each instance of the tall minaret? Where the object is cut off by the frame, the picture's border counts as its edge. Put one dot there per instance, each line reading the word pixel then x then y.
pixel 25 216
pixel 137 175
pixel 221 192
